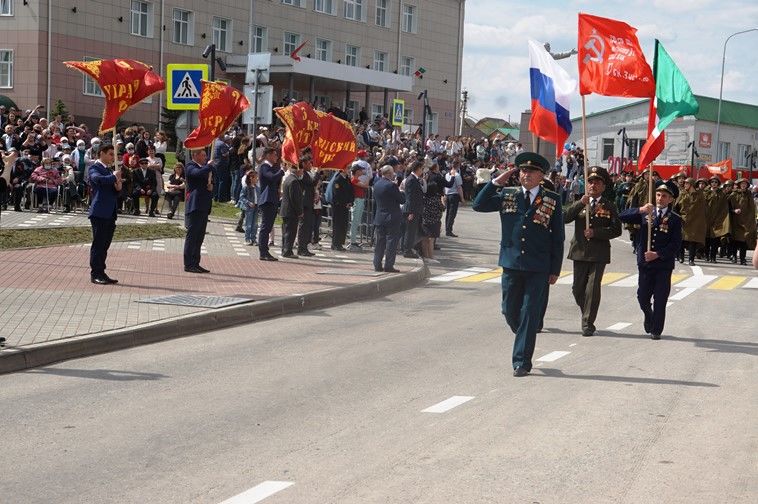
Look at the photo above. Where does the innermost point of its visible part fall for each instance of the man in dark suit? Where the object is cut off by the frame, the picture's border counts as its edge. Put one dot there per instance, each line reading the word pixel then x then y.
pixel 291 209
pixel 197 208
pixel 309 182
pixel 104 188
pixel 531 249
pixel 413 209
pixel 342 199
pixel 270 178
pixel 145 186
pixel 591 247
pixel 387 219
pixel 656 264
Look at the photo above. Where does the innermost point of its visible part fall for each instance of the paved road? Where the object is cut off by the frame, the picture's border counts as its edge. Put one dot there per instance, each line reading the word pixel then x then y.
pixel 332 404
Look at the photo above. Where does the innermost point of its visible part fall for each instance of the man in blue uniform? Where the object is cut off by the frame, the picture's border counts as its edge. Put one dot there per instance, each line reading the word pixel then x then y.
pixel 655 265
pixel 104 188
pixel 197 208
pixel 531 249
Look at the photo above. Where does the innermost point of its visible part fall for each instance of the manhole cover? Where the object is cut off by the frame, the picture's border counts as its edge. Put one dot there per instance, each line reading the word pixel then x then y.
pixel 350 272
pixel 197 300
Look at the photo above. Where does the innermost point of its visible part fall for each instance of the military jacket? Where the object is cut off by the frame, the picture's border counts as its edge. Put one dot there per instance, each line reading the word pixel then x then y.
pixel 666 238
pixel 717 213
pixel 692 208
pixel 531 237
pixel 743 224
pixel 605 222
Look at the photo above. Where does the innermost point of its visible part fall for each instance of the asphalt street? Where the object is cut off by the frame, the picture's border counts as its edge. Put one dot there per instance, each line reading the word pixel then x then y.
pixel 409 399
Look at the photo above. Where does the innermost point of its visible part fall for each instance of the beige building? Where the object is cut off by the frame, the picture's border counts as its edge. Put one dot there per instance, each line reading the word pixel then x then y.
pixel 357 53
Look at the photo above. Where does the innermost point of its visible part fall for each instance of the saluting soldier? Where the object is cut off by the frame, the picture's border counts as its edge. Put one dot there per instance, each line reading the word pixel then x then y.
pixel 590 248
pixel 692 208
pixel 718 217
pixel 743 221
pixel 656 265
pixel 531 249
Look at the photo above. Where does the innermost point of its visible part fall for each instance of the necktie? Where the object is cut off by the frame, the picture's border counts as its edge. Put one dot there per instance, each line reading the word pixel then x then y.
pixel 527 194
pixel 592 205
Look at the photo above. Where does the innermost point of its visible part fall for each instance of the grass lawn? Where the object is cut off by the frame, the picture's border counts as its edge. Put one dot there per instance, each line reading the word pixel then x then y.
pixel 22 238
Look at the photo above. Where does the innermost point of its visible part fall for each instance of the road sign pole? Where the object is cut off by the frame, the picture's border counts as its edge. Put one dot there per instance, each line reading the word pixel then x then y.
pixel 255 106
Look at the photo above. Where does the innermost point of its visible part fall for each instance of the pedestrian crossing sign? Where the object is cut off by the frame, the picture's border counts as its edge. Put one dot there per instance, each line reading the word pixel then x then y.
pixel 183 85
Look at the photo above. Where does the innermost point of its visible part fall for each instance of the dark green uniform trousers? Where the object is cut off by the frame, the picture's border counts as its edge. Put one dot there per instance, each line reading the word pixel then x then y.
pixel 586 289
pixel 523 301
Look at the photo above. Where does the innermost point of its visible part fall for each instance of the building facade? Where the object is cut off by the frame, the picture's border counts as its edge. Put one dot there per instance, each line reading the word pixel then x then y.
pixel 357 53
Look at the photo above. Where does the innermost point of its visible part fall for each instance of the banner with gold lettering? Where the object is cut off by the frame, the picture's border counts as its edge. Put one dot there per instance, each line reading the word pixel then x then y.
pixel 220 106
pixel 335 146
pixel 302 128
pixel 124 83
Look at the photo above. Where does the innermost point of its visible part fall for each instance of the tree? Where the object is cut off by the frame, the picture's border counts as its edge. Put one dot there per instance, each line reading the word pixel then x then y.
pixel 60 109
pixel 168 125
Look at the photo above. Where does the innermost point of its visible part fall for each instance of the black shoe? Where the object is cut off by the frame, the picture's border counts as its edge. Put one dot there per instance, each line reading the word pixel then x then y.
pixel 202 270
pixel 588 332
pixel 743 262
pixel 451 235
pixel 136 212
pixel 411 255
pixel 99 281
pixel 269 258
pixel 17 209
pixel 289 255
pixel 193 269
pixel 2 341
pixel 239 229
pixel 520 372
pixel 734 260
pixel 151 214
pixel 655 336
pixel 305 253
pixel 339 248
pixel 110 280
pixel 436 247
pixel 378 269
pixel 647 324
pixel 391 270
pixel 170 215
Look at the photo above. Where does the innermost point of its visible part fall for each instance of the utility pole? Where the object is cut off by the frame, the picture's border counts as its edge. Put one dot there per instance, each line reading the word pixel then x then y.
pixel 464 110
pixel 693 155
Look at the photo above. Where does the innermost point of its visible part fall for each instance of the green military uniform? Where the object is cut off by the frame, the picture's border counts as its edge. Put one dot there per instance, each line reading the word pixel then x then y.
pixel 743 222
pixel 591 255
pixel 718 217
pixel 531 250
pixel 692 208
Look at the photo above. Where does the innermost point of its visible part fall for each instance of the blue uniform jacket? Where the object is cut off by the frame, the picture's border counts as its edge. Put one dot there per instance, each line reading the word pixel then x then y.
pixel 666 238
pixel 199 198
pixel 388 199
pixel 532 238
pixel 270 179
pixel 104 196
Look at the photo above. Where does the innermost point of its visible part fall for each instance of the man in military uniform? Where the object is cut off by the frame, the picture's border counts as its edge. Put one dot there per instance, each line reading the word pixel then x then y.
pixel 638 197
pixel 656 265
pixel 743 220
pixel 718 217
pixel 692 208
pixel 727 247
pixel 591 247
pixel 531 249
pixel 623 188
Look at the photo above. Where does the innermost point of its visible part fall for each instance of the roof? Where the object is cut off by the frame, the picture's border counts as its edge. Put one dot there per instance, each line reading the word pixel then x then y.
pixel 733 113
pixel 489 124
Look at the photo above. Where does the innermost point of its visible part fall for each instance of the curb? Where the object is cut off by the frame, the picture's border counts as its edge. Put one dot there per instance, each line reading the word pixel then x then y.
pixel 17 359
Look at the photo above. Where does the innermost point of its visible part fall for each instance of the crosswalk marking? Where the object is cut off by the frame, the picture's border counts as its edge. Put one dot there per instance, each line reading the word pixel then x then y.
pixel 618 326
pixel 630 281
pixel 678 277
pixel 612 277
pixel 456 275
pixel 259 492
pixel 697 281
pixel 553 356
pixel 566 280
pixel 752 284
pixel 447 404
pixel 727 282
pixel 481 277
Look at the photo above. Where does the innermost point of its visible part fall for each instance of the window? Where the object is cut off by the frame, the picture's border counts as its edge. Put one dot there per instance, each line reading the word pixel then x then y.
pixel 351 109
pixel 323 50
pixel 222 34
pixel 743 153
pixel 91 87
pixel 724 148
pixel 322 102
pixel 260 39
pixel 140 15
pixel 354 10
pixel 408 116
pixel 6 68
pixel 608 144
pixel 380 61
pixel 296 3
pixel 183 27
pixel 382 13
pixel 376 110
pixel 291 41
pixel 410 19
pixel 407 65
pixel 352 55
pixel 6 7
pixel 431 124
pixel 325 6
pixel 633 151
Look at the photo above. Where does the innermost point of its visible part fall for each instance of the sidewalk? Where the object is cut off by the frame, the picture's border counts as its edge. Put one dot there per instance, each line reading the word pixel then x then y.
pixel 46 296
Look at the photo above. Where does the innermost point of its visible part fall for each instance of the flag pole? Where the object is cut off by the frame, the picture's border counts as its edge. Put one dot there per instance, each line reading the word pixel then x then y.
pixel 650 200
pixel 115 147
pixel 586 169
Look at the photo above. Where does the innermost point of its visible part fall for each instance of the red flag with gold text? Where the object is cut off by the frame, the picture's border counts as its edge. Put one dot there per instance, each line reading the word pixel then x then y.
pixel 611 61
pixel 220 106
pixel 124 83
pixel 302 128
pixel 335 146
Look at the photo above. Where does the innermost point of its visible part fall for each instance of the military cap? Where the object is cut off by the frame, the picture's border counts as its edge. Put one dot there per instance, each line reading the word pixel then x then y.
pixel 681 175
pixel 599 172
pixel 532 161
pixel 690 180
pixel 716 178
pixel 670 187
pixel 743 180
pixel 729 183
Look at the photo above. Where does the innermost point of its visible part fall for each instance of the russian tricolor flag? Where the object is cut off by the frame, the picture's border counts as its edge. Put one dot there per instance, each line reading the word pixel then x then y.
pixel 552 88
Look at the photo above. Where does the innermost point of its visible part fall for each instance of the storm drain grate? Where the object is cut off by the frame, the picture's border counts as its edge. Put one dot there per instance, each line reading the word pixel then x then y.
pixel 197 300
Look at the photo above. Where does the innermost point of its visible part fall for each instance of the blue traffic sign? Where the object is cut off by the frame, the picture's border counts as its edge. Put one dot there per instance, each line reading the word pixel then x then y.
pixel 184 86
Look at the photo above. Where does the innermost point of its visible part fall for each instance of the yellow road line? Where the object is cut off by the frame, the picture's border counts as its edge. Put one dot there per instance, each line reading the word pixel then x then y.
pixel 678 277
pixel 481 277
pixel 564 273
pixel 613 277
pixel 727 282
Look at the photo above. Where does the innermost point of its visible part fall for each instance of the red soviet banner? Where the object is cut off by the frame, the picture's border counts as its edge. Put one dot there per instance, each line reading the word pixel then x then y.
pixel 124 83
pixel 220 106
pixel 302 128
pixel 335 146
pixel 611 61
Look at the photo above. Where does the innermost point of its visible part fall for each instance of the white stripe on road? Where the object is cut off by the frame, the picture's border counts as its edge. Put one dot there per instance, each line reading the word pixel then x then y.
pixel 456 275
pixel 447 404
pixel 668 305
pixel 682 293
pixel 752 284
pixel 697 281
pixel 259 492
pixel 566 280
pixel 630 281
pixel 497 280
pixel 697 270
pixel 619 326
pixel 553 356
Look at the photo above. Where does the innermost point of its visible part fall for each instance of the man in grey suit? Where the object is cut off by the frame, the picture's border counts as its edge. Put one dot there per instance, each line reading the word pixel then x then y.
pixel 291 209
pixel 413 209
pixel 387 219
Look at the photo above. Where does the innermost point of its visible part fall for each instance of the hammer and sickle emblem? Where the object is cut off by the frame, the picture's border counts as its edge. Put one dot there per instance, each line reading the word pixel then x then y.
pixel 595 47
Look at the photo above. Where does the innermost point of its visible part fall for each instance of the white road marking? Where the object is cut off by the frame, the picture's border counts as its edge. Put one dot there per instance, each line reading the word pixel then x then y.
pixel 669 304
pixel 682 294
pixel 566 280
pixel 447 404
pixel 456 275
pixel 697 270
pixel 697 281
pixel 630 281
pixel 624 241
pixel 553 356
pixel 752 284
pixel 572 345
pixel 498 280
pixel 618 326
pixel 259 492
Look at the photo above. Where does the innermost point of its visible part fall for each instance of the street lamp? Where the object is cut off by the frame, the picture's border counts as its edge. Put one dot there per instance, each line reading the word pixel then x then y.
pixel 721 92
pixel 211 51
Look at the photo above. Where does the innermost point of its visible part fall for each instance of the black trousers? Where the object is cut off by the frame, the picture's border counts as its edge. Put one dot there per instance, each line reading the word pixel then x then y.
pixel 102 236
pixel 412 232
pixel 305 229
pixel 385 247
pixel 451 205
pixel 340 217
pixel 173 199
pixel 197 222
pixel 289 230
pixel 654 286
pixel 268 216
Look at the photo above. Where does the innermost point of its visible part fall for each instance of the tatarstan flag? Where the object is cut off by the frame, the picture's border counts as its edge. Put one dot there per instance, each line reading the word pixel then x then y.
pixel 673 98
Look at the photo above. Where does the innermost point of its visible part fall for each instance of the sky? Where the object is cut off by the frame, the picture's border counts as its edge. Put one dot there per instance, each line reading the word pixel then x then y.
pixel 496 57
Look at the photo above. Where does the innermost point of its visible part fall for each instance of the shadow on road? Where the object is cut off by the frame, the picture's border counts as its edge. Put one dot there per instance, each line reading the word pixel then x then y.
pixel 99 374
pixel 712 345
pixel 557 373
